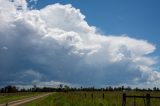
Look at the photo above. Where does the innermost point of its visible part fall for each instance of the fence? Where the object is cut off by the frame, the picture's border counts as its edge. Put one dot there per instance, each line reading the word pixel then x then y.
pixel 85 95
pixel 146 99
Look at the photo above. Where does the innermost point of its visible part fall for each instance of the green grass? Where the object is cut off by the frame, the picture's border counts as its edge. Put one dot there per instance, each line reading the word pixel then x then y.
pixel 79 99
pixel 113 98
pixel 7 97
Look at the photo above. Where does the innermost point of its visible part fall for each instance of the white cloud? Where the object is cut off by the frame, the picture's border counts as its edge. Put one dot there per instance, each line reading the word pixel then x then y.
pixel 58 45
pixel 35 74
pixel 4 48
pixel 52 84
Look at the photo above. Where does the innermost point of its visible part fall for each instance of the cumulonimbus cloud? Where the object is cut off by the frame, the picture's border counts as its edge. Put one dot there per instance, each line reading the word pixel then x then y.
pixel 56 44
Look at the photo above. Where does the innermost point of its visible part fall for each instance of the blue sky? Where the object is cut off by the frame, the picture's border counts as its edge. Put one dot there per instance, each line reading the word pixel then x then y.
pixel 136 18
pixel 52 43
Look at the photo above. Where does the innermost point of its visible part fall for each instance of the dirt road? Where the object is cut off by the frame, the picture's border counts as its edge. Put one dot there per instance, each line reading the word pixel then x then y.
pixel 26 100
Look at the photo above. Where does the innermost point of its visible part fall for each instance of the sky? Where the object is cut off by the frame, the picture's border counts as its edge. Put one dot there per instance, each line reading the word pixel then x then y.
pixel 79 43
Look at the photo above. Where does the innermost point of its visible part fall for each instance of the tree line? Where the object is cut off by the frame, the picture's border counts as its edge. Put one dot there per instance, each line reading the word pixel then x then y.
pixel 65 88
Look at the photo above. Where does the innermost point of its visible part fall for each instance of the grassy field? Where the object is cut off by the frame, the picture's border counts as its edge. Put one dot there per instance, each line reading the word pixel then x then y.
pixel 93 99
pixel 7 97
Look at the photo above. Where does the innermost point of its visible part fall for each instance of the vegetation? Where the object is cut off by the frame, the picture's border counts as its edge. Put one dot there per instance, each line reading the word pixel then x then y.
pixel 67 96
pixel 65 88
pixel 94 98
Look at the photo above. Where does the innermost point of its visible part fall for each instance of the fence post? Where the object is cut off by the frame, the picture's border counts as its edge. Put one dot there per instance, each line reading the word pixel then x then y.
pixel 134 101
pixel 148 99
pixel 124 100
pixel 103 95
pixel 92 95
pixel 85 95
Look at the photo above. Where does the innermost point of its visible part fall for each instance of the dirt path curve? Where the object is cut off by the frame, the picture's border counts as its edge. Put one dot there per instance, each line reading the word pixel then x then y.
pixel 26 100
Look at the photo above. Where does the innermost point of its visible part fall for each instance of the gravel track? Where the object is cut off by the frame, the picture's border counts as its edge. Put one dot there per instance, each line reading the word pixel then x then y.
pixel 26 100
